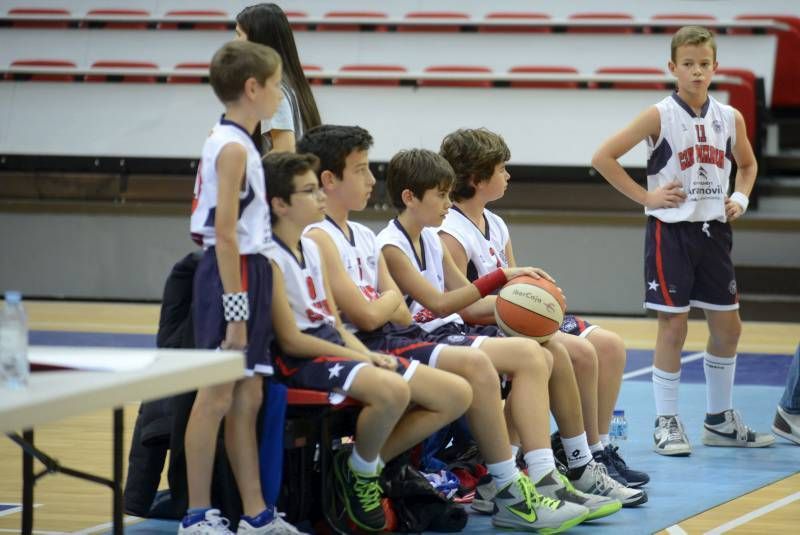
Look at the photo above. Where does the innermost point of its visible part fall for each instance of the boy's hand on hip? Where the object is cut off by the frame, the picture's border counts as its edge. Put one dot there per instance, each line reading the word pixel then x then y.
pixel 235 335
pixel 733 210
pixel 667 196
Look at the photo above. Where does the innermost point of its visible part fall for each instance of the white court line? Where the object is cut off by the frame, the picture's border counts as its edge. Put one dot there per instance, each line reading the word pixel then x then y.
pixel 36 532
pixel 736 522
pixel 17 509
pixel 649 369
pixel 676 530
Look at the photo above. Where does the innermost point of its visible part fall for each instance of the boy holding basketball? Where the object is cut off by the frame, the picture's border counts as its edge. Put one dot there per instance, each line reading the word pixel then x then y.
pixel 444 301
pixel 692 141
pixel 373 309
pixel 233 287
pixel 479 241
pixel 316 352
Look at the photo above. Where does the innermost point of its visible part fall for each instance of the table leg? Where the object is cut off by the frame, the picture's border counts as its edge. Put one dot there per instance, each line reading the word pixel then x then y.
pixel 27 485
pixel 117 478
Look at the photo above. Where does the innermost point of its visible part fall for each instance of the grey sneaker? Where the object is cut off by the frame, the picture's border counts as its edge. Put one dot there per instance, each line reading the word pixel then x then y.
pixel 594 479
pixel 485 491
pixel 556 485
pixel 519 506
pixel 785 425
pixel 728 429
pixel 670 437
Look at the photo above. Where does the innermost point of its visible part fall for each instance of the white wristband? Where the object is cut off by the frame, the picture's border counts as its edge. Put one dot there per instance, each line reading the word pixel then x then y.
pixel 741 199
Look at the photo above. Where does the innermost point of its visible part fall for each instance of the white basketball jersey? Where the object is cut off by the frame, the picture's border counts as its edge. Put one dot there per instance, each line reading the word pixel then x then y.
pixel 252 228
pixel 360 254
pixel 430 265
pixel 696 150
pixel 485 251
pixel 305 288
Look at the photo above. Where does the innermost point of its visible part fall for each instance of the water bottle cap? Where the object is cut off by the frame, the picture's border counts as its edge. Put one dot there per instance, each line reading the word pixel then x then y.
pixel 619 413
pixel 13 298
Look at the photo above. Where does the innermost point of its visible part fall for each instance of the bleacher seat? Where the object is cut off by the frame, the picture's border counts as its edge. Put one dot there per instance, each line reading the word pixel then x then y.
pixel 193 66
pixel 296 20
pixel 198 15
pixel 46 63
pixel 39 17
pixel 743 99
pixel 600 17
pixel 543 69
pixel 370 69
pixel 632 70
pixel 685 20
pixel 515 16
pixel 457 69
pixel 117 18
pixel 367 15
pixel 127 65
pixel 312 68
pixel 450 16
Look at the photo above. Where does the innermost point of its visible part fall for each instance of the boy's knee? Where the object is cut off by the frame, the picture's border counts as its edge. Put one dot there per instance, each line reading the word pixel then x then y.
pixel 216 406
pixel 250 397
pixel 673 326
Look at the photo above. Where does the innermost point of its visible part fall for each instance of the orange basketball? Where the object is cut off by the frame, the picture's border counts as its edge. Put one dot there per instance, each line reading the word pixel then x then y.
pixel 530 307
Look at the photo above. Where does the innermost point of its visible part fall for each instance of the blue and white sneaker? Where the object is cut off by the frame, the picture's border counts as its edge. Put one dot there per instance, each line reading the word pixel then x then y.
pixel 268 522
pixel 727 429
pixel 208 522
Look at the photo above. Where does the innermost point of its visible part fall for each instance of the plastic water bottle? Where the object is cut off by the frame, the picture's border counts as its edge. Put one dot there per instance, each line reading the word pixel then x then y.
pixel 14 365
pixel 618 430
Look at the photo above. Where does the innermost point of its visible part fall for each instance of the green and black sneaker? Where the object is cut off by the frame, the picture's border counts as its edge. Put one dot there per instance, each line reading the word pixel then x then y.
pixel 362 494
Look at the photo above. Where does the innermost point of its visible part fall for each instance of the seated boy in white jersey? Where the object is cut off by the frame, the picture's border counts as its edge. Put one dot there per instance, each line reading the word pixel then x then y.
pixel 315 352
pixel 692 142
pixel 479 242
pixel 233 288
pixel 418 182
pixel 372 307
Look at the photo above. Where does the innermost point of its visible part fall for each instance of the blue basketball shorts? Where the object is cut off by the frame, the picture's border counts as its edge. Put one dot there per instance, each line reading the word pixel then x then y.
pixel 209 317
pixel 406 342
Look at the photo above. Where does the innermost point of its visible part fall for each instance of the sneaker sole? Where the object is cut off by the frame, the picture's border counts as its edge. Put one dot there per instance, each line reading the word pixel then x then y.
pixel 571 523
pixel 723 443
pixel 485 507
pixel 637 502
pixel 682 452
pixel 788 436
pixel 604 511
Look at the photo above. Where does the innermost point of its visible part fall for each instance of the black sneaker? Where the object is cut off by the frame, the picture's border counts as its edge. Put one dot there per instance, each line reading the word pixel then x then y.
pixel 635 478
pixel 604 458
pixel 362 495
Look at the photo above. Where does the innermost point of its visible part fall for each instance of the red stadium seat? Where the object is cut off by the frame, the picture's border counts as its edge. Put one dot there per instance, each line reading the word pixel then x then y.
pixel 600 17
pixel 457 69
pixel 368 16
pixel 312 68
pixel 116 18
pixel 632 70
pixel 45 63
pixel 194 66
pixel 382 69
pixel 742 97
pixel 127 65
pixel 197 16
pixel 449 16
pixel 515 16
pixel 37 17
pixel 296 20
pixel 684 18
pixel 543 69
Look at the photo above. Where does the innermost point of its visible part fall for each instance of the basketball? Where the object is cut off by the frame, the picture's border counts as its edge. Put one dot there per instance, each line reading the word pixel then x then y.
pixel 530 307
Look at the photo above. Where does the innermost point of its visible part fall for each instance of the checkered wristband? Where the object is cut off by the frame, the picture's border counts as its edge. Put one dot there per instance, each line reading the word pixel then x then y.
pixel 236 306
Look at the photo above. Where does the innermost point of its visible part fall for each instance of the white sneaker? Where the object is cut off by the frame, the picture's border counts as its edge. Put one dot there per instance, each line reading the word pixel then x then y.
pixel 787 425
pixel 594 479
pixel 670 437
pixel 727 429
pixel 519 506
pixel 211 523
pixel 278 526
pixel 555 485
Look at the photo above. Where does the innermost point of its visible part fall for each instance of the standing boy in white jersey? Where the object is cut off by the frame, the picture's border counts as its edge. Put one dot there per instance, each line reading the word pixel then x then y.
pixel 233 287
pixel 692 140
pixel 316 352
pixel 374 310
pixel 443 302
pixel 479 242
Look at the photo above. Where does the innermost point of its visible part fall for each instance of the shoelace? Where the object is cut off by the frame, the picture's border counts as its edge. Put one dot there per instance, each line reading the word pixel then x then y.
pixel 674 431
pixel 532 496
pixel 283 526
pixel 602 480
pixel 618 461
pixel 742 431
pixel 217 522
pixel 368 491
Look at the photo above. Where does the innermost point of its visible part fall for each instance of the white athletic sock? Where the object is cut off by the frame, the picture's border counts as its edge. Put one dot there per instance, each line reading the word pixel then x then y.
pixel 540 463
pixel 605 440
pixel 719 373
pixel 577 450
pixel 665 390
pixel 503 472
pixel 596 447
pixel 514 450
pixel 361 465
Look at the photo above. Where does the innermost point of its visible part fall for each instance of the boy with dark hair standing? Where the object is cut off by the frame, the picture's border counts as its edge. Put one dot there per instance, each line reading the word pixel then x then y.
pixel 479 241
pixel 692 141
pixel 233 287
pixel 316 352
